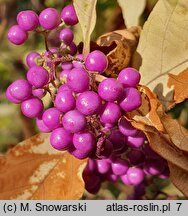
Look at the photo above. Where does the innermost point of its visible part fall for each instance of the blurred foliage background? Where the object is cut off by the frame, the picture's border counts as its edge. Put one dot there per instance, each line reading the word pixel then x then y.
pixel 13 126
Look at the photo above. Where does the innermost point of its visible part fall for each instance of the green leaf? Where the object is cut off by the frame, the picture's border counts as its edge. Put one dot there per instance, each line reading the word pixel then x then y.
pixel 86 12
pixel 132 11
pixel 163 47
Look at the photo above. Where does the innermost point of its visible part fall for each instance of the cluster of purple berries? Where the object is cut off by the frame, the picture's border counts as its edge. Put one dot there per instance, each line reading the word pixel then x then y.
pixel 87 117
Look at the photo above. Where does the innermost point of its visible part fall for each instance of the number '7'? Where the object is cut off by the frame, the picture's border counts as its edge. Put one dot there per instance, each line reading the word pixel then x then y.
pixel 179 204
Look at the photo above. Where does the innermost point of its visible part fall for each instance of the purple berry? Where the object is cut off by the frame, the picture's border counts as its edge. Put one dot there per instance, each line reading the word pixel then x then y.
pixel 16 35
pixel 110 113
pixel 136 141
pixel 66 65
pixel 74 121
pixel 111 177
pixel 131 99
pixel 61 139
pixel 68 15
pixel 96 61
pixel 84 141
pixel 20 90
pixel 129 77
pixel 90 167
pixel 65 101
pixel 88 103
pixel 51 118
pixel 11 98
pixel 155 166
pixel 63 88
pixel 32 108
pixel 49 18
pixel 41 126
pixel 136 157
pixel 64 75
pixel 78 80
pixel 78 64
pixel 126 128
pixel 72 48
pixel 125 180
pixel 37 76
pixel 28 20
pixel 66 36
pixel 31 59
pixel 106 150
pixel 103 166
pixel 110 89
pixel 40 93
pixel 135 175
pixel 118 140
pixel 78 153
pixel 119 166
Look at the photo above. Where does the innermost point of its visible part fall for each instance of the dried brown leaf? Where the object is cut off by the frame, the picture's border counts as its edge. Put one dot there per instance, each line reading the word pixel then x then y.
pixel 180 84
pixel 179 178
pixel 126 41
pixel 147 114
pixel 165 135
pixel 162 47
pixel 33 170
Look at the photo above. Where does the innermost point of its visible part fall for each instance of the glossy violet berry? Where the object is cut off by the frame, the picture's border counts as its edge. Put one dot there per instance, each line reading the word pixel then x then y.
pixel 41 126
pixel 129 77
pixel 28 20
pixel 49 18
pixel 68 15
pixel 96 61
pixel 78 80
pixel 131 99
pixel 31 59
pixel 66 36
pixel 110 89
pixel 61 139
pixel 73 121
pixel 78 153
pixel 51 118
pixel 17 35
pixel 20 90
pixel 126 128
pixel 38 76
pixel 65 101
pixel 11 98
pixel 63 88
pixel 40 92
pixel 119 166
pixel 32 108
pixel 110 114
pixel 88 103
pixel 136 141
pixel 103 166
pixel 135 175
pixel 84 141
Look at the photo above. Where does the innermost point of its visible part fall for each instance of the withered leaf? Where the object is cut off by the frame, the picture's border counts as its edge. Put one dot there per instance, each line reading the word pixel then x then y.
pixel 132 11
pixel 180 85
pixel 126 41
pixel 179 178
pixel 147 114
pixel 165 135
pixel 162 47
pixel 34 170
pixel 86 12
